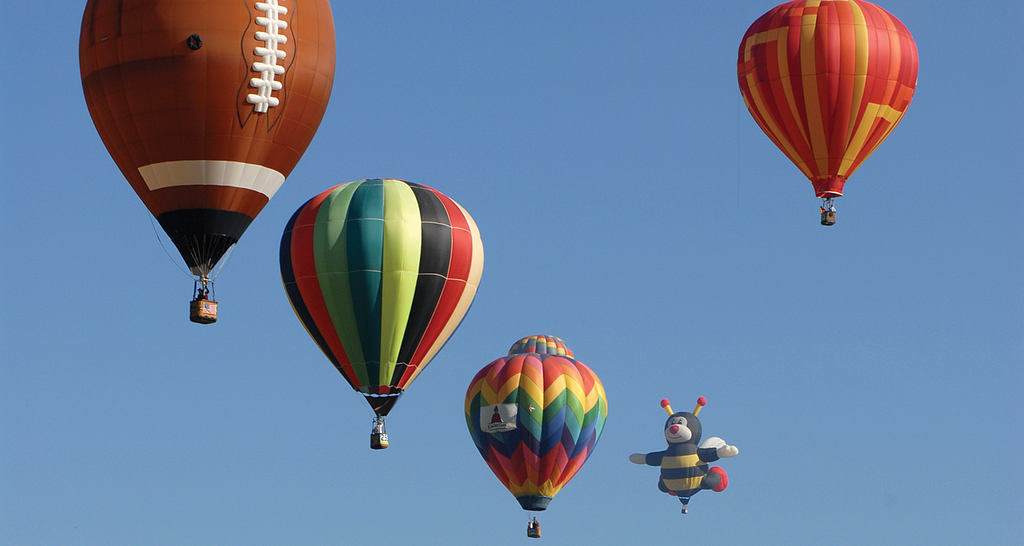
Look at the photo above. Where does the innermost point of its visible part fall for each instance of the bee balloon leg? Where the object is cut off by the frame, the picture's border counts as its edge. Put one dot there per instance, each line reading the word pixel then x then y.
pixel 664 489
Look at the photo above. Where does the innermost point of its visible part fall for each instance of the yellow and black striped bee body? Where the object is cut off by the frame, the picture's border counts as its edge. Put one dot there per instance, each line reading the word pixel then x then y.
pixel 684 466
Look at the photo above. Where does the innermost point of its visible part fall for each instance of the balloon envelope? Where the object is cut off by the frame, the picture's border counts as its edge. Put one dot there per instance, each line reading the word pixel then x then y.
pixel 827 81
pixel 535 416
pixel 381 272
pixel 206 105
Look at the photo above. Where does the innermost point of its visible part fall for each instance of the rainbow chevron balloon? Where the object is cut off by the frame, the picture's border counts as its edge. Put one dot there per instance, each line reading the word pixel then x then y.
pixel 535 416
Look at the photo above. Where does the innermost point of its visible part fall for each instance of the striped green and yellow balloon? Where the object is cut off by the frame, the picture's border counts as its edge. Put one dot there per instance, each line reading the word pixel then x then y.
pixel 381 272
pixel 535 416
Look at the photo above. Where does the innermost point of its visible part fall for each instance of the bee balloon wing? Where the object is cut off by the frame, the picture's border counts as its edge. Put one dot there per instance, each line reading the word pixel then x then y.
pixel 714 442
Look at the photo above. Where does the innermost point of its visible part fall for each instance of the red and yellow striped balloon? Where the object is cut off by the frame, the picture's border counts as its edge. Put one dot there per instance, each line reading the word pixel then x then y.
pixel 827 81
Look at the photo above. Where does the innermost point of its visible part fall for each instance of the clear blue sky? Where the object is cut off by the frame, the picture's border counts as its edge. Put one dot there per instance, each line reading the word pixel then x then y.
pixel 871 373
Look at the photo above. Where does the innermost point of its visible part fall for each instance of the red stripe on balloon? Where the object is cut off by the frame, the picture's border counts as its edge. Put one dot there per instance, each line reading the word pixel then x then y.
pixel 306 279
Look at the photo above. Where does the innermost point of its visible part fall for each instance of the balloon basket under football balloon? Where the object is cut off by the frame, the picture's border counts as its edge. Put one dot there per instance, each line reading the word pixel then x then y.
pixel 378 436
pixel 203 307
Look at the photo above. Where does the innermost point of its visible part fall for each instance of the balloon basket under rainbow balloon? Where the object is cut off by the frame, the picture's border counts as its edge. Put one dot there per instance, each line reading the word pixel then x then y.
pixel 533 528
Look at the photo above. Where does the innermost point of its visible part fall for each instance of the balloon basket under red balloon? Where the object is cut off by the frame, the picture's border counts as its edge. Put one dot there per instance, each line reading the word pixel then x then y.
pixel 828 212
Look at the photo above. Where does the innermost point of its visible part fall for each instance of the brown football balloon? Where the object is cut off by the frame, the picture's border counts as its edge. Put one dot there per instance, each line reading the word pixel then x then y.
pixel 206 105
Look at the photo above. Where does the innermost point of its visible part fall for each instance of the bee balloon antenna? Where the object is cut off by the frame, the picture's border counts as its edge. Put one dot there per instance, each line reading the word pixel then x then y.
pixel 701 402
pixel 668 407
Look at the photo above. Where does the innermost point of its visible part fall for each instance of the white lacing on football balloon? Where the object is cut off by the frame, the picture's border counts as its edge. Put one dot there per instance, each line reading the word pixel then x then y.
pixel 268 67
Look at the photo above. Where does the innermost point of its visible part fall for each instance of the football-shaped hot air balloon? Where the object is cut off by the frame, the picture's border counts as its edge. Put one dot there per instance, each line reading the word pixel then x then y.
pixel 535 416
pixel 381 272
pixel 827 81
pixel 206 106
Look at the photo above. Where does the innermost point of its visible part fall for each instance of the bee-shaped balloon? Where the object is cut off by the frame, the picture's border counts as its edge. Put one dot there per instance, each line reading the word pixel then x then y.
pixel 684 464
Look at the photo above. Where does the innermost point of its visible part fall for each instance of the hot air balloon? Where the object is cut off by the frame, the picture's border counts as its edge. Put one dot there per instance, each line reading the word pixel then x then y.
pixel 381 272
pixel 684 463
pixel 827 81
pixel 206 106
pixel 535 416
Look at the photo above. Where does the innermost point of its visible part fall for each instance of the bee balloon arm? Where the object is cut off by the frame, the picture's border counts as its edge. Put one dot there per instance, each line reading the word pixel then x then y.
pixel 728 451
pixel 650 459
pixel 708 454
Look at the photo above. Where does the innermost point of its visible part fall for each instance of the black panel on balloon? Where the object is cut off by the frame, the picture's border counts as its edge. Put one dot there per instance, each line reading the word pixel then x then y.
pixel 382 404
pixel 203 235
pixel 435 261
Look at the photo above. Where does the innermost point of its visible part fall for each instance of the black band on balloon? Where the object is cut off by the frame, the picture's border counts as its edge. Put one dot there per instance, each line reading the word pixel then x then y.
pixel 202 236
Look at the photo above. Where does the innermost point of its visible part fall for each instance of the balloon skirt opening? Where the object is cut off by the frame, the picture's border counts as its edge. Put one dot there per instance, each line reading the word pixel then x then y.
pixel 533 503
pixel 203 236
pixel 829 187
pixel 382 404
